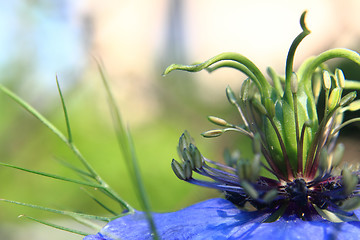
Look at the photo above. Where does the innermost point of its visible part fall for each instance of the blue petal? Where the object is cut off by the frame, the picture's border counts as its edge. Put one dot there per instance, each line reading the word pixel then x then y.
pixel 219 219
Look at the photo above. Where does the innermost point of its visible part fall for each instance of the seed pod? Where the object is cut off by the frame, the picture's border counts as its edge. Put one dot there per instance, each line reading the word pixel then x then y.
pixel 337 155
pixel 316 85
pixel 178 169
pixel 340 78
pixel 182 144
pixel 187 158
pixel 354 106
pixel 350 204
pixel 259 107
pixel 347 99
pixel 256 143
pixel 241 169
pixel 231 158
pixel 187 170
pixel 324 164
pixel 334 98
pixel 349 181
pixel 212 133
pixel 250 190
pixel 270 107
pixel 327 80
pixel 230 95
pixel 255 168
pixel 245 88
pixel 197 158
pixel 270 196
pixel 218 121
pixel 294 83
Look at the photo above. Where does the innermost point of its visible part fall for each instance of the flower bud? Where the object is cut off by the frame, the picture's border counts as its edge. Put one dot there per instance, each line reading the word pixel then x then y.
pixel 250 190
pixel 245 88
pixel 259 107
pixel 327 80
pixel 316 85
pixel 187 170
pixel 348 99
pixel 230 95
pixel 340 78
pixel 334 98
pixel 212 133
pixel 337 155
pixel 324 164
pixel 270 107
pixel 294 83
pixel 218 121
pixel 349 181
pixel 256 143
pixel 178 169
pixel 354 106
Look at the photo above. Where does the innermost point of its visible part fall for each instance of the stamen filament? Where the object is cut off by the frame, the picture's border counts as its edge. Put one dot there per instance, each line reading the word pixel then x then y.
pixel 283 149
pixel 300 151
pixel 299 155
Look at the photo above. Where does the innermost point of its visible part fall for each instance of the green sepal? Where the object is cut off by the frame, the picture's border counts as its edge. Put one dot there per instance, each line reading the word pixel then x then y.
pixel 350 204
pixel 335 217
pixel 277 214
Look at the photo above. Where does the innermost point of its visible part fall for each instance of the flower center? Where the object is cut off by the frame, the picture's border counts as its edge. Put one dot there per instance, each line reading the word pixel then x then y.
pixel 297 191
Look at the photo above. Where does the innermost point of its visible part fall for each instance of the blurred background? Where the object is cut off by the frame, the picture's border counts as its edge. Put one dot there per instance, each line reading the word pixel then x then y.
pixel 136 40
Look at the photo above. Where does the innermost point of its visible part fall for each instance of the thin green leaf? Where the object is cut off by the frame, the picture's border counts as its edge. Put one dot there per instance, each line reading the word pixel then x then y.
pixel 56 226
pixel 64 110
pixel 100 203
pixel 79 171
pixel 49 125
pixel 89 184
pixel 66 213
pixel 107 189
pixel 87 223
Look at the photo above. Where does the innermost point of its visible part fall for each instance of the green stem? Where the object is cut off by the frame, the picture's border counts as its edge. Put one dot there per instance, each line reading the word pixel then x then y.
pixel 291 54
pixel 128 151
pixel 351 84
pixel 67 213
pixel 234 65
pixel 344 124
pixel 330 54
pixel 261 82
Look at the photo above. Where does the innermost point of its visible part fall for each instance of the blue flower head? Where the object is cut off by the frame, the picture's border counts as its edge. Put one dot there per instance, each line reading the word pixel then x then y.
pixel 294 140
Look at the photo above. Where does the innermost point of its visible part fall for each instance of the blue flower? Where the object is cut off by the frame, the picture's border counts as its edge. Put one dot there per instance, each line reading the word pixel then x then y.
pixel 220 219
pixel 294 142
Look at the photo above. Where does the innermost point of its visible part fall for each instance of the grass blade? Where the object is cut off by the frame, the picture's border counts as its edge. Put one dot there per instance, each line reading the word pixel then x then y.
pixel 73 148
pixel 64 110
pixel 66 213
pixel 56 226
pixel 100 203
pixel 89 184
pixel 128 151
